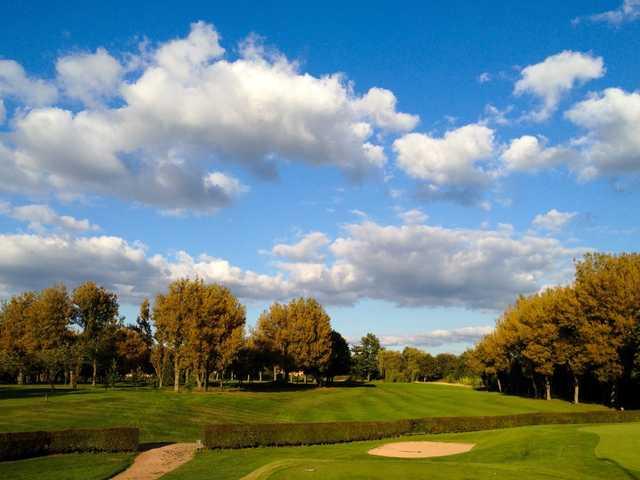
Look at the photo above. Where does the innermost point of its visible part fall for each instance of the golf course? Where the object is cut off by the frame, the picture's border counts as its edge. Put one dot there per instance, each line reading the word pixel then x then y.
pixel 544 451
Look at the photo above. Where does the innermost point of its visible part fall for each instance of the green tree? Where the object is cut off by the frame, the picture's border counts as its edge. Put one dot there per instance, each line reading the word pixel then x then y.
pixel 365 357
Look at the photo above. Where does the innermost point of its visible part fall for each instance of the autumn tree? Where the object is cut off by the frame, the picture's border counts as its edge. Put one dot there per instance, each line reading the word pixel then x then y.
pixel 15 340
pixel 96 313
pixel 143 323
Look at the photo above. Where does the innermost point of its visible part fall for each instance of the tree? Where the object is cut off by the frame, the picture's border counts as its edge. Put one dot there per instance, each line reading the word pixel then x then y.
pixel 298 335
pixel 50 337
pixel 143 323
pixel 340 361
pixel 391 366
pixel 365 357
pixel 132 349
pixel 15 340
pixel 96 312
pixel 310 329
pixel 171 316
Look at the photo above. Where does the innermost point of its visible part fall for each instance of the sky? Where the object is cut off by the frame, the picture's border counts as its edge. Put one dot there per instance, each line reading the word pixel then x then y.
pixel 414 166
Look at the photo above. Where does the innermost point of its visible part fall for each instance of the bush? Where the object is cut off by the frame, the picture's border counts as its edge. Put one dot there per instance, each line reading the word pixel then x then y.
pixel 281 434
pixel 16 445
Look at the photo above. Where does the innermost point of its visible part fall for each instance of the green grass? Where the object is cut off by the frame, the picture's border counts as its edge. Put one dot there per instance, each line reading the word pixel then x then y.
pixel 167 416
pixel 77 466
pixel 528 453
pixel 619 443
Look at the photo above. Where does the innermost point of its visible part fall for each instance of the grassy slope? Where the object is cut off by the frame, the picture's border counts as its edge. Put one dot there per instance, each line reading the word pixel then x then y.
pixel 166 416
pixel 560 452
pixel 84 466
pixel 619 443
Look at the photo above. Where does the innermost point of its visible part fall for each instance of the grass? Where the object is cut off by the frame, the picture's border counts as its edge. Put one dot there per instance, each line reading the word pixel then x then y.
pixel 527 453
pixel 76 466
pixel 167 416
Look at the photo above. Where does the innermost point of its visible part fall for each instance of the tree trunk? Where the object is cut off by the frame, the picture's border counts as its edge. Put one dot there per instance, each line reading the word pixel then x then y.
pixel 20 376
pixel 275 374
pixel 499 385
pixel 176 380
pixel 535 387
pixel 73 376
pixel 260 375
pixel 576 390
pixel 368 376
pixel 547 388
pixel 613 397
pixel 95 372
pixel 206 379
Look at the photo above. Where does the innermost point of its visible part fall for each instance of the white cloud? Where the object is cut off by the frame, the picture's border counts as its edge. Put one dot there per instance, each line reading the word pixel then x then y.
pixel 437 338
pixel 41 216
pixel 446 160
pixel 628 11
pixel 484 77
pixel 188 110
pixel 553 220
pixel 379 106
pixel 611 145
pixel 89 77
pixel 413 216
pixel 15 83
pixel 530 154
pixel 414 265
pixel 3 112
pixel 453 162
pixel 306 249
pixel 555 76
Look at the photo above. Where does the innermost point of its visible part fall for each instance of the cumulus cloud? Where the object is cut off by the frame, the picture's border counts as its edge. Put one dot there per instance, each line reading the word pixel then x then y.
pixel 437 338
pixel 15 83
pixel 413 216
pixel 188 110
pixel 409 265
pixel 553 220
pixel 3 112
pixel 628 11
pixel 611 145
pixel 39 217
pixel 552 78
pixel 308 248
pixel 531 154
pixel 89 77
pixel 454 165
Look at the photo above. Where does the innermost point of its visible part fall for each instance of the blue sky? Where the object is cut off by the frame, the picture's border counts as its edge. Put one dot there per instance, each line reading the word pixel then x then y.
pixel 414 166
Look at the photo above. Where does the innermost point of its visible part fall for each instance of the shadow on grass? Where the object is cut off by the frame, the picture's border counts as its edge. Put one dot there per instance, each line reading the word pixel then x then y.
pixel 294 387
pixel 38 391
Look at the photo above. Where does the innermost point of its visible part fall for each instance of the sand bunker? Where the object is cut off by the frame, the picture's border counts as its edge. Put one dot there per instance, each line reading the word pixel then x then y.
pixel 421 449
pixel 154 463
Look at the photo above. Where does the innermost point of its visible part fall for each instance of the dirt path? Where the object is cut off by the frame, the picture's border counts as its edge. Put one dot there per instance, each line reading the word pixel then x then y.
pixel 420 449
pixel 154 463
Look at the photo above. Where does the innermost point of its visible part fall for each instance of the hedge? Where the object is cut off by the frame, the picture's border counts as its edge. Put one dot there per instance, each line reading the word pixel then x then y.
pixel 280 434
pixel 16 445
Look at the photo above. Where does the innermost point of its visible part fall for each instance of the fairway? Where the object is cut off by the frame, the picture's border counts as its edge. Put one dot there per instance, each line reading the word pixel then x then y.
pixel 542 452
pixel 166 416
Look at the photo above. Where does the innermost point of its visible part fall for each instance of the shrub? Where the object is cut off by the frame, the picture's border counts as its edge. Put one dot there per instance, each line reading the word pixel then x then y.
pixel 280 434
pixel 16 445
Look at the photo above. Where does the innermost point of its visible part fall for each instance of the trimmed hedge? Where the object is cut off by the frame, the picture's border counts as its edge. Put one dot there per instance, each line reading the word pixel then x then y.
pixel 16 445
pixel 281 434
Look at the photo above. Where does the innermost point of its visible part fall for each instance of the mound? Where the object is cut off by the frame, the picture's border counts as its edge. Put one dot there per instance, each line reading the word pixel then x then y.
pixel 420 449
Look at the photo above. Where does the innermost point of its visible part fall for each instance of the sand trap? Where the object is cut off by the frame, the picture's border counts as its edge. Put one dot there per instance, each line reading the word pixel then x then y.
pixel 421 449
pixel 154 463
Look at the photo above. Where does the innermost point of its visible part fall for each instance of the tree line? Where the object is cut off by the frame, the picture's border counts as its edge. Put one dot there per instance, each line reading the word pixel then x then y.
pixel 580 341
pixel 193 333
pixel 190 336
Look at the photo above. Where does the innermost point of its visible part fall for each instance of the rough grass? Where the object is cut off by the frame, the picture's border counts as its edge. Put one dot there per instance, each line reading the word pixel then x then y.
pixel 75 466
pixel 541 452
pixel 167 416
